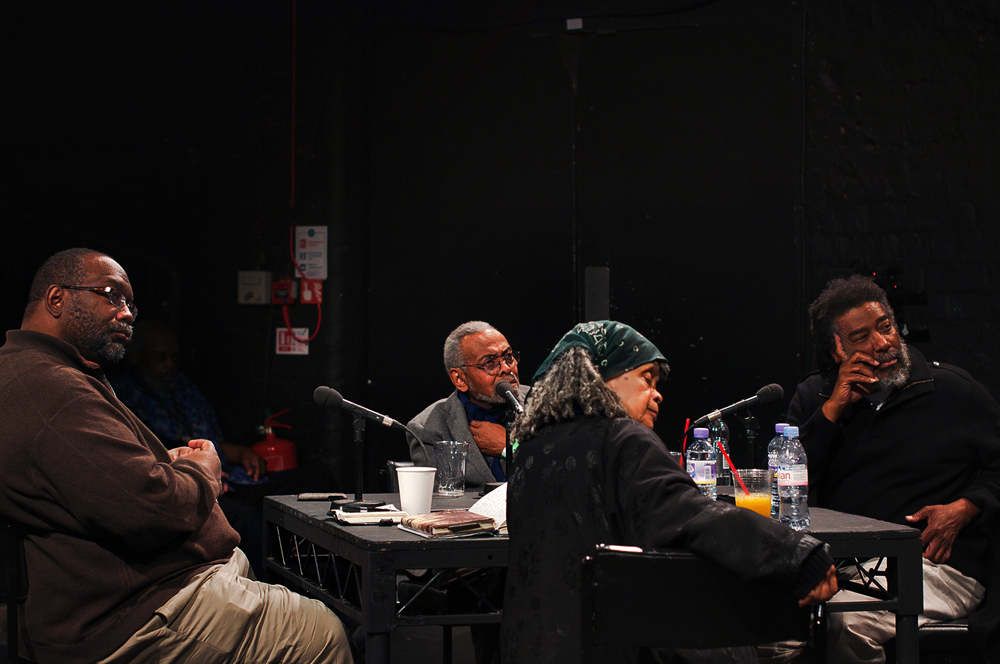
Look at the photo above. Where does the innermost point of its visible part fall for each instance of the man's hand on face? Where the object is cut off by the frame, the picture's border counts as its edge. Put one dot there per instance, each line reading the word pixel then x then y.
pixel 491 438
pixel 855 379
pixel 943 525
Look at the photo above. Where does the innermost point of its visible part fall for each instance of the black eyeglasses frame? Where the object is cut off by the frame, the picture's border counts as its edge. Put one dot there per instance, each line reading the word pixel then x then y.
pixel 112 294
pixel 513 355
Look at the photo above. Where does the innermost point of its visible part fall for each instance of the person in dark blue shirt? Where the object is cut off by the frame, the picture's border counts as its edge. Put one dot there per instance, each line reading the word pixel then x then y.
pixel 172 406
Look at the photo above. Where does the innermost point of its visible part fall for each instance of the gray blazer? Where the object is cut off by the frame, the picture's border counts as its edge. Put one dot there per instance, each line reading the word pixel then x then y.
pixel 445 419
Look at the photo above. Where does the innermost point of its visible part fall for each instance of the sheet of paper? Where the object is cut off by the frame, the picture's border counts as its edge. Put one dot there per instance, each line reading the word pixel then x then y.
pixel 493 505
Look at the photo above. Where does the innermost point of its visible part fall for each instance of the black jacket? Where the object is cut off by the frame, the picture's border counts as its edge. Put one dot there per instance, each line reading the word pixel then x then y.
pixel 933 441
pixel 598 480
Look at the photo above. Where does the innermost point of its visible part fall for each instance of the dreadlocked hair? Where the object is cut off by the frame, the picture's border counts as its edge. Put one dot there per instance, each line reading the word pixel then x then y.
pixel 571 388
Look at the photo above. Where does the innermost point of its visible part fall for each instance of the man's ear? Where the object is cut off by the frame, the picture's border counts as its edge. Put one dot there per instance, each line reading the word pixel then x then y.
pixel 457 377
pixel 54 300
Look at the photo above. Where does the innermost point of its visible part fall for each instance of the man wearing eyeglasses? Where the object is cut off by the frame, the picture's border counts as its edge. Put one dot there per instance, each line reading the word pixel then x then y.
pixel 476 357
pixel 129 556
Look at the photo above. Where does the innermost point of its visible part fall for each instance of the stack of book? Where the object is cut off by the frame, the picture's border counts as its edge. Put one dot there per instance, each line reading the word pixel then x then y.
pixel 448 523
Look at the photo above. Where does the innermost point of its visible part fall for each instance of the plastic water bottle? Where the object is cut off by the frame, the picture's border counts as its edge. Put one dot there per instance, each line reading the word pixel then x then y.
pixel 772 464
pixel 793 482
pixel 701 462
pixel 718 434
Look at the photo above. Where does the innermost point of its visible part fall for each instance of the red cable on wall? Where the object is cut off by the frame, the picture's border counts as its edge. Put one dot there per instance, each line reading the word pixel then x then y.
pixel 291 228
pixel 294 73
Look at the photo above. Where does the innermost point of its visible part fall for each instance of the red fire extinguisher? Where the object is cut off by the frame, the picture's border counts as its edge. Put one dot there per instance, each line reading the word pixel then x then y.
pixel 279 453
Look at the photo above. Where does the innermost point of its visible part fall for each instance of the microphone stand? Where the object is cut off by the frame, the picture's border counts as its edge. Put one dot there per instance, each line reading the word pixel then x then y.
pixel 508 421
pixel 752 426
pixel 359 504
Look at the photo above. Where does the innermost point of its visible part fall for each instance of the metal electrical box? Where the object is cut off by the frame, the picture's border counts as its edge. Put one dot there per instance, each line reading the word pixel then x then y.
pixel 254 287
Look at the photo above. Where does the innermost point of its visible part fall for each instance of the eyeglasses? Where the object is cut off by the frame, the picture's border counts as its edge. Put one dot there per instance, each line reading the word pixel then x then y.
pixel 116 299
pixel 491 364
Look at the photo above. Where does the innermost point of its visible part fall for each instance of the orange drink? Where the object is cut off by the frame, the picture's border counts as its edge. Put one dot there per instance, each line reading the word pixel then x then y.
pixel 758 502
pixel 758 483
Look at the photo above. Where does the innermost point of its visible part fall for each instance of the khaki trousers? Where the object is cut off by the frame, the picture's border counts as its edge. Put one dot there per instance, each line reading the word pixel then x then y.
pixel 223 616
pixel 857 637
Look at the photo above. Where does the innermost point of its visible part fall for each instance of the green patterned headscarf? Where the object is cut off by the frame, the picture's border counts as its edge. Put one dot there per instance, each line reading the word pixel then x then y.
pixel 615 347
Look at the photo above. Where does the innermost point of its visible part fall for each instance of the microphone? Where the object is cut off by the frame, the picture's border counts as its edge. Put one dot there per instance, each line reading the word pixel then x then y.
pixel 766 394
pixel 506 390
pixel 327 396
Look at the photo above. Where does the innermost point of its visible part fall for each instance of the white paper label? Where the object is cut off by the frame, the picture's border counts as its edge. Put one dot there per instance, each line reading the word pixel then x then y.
pixel 794 475
pixel 701 472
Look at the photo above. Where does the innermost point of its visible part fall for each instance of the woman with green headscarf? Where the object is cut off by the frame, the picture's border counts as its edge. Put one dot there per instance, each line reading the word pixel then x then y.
pixel 589 470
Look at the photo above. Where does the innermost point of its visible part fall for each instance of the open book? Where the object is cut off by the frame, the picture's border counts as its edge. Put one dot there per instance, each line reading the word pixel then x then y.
pixel 494 504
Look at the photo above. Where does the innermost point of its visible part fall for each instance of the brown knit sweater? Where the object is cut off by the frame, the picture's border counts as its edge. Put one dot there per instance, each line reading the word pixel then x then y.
pixel 113 528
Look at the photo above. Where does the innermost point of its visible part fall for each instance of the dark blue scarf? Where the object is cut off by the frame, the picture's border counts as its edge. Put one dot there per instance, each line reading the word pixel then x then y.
pixel 496 415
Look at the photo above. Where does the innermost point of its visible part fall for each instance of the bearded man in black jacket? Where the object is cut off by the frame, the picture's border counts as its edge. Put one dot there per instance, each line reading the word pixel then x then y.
pixel 894 437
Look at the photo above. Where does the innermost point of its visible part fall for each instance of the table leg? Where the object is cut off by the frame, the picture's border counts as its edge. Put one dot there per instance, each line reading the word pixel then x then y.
pixel 909 588
pixel 907 648
pixel 377 648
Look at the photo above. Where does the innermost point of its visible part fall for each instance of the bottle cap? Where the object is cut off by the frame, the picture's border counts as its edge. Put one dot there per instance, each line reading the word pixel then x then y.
pixel 780 427
pixel 701 432
pixel 791 432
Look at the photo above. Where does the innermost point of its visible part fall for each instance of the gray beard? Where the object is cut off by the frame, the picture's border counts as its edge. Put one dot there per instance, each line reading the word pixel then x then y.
pixel 492 398
pixel 901 373
pixel 486 398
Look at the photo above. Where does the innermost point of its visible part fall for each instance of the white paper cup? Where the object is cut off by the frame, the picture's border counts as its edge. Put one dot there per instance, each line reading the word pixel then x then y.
pixel 416 486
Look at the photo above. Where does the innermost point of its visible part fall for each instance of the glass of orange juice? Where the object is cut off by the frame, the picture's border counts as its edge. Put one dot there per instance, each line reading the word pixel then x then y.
pixel 758 483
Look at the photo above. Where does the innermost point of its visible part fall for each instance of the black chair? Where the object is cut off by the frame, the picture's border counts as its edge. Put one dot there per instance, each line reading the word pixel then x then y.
pixel 676 599
pixel 14 586
pixel 943 643
pixel 390 473
pixel 947 641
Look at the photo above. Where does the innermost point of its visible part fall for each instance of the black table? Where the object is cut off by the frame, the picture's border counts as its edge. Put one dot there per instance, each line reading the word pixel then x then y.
pixel 900 591
pixel 355 569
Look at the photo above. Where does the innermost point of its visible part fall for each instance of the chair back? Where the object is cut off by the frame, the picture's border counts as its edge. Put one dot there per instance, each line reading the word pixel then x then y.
pixel 946 638
pixel 390 472
pixel 13 582
pixel 676 599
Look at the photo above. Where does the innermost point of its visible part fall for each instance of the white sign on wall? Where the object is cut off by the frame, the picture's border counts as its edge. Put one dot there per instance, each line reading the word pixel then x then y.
pixel 311 250
pixel 289 345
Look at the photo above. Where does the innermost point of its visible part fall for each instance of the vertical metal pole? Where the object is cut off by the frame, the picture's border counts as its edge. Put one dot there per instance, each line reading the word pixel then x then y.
pixel 359 447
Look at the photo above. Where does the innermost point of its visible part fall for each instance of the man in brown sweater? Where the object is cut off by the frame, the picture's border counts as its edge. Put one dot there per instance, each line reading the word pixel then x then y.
pixel 129 556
